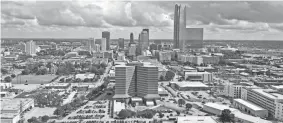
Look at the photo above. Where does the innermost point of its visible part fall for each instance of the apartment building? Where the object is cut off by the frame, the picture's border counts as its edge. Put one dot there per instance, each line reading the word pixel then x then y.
pixel 268 99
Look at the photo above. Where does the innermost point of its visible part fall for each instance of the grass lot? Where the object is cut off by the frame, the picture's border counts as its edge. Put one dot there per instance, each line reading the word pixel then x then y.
pixel 36 112
pixel 33 79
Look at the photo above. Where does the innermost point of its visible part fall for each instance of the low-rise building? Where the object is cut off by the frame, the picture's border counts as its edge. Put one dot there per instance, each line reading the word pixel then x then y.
pixel 250 108
pixel 199 76
pixel 189 86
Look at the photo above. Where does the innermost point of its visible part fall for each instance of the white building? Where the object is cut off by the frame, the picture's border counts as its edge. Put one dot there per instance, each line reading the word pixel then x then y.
pixel 31 48
pixel 250 108
pixel 164 56
pixel 234 89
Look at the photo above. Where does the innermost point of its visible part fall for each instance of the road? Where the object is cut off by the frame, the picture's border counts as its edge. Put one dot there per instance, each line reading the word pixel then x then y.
pixel 100 82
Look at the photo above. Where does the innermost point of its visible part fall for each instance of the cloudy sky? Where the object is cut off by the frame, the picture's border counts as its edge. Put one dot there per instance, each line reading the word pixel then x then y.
pixel 82 19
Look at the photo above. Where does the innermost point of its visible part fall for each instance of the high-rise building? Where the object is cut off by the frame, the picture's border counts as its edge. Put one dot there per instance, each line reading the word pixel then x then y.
pixel 106 35
pixel 144 40
pixel 136 79
pixel 121 43
pixel 131 39
pixel 186 38
pixel 31 48
pixel 90 44
pixel 103 44
pixel 176 25
pixel 132 50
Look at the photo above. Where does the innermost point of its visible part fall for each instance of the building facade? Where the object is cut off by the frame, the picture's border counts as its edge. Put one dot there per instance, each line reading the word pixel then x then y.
pixel 121 43
pixel 30 48
pixel 103 44
pixel 136 79
pixel 106 35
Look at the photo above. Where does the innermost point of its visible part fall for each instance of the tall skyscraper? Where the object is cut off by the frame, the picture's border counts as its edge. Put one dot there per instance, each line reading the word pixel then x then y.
pixel 131 39
pixel 176 25
pixel 90 44
pixel 136 79
pixel 121 43
pixel 103 44
pixel 31 48
pixel 185 38
pixel 144 40
pixel 106 35
pixel 147 30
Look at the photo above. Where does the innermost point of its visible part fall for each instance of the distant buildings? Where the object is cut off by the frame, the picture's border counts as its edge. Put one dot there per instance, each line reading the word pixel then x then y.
pixel 106 35
pixel 190 86
pixel 198 60
pixel 30 48
pixel 121 43
pixel 136 79
pixel 103 44
pixel 164 56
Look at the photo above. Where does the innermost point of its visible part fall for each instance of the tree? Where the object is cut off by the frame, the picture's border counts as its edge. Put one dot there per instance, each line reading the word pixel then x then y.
pixel 161 78
pixel 124 113
pixel 188 106
pixel 103 65
pixel 4 71
pixel 101 71
pixel 226 116
pixel 86 80
pixel 161 115
pixel 62 80
pixel 32 120
pixel 169 75
pixel 7 79
pixel 25 71
pixel 59 111
pixel 181 102
pixel 93 69
pixel 13 75
pixel 45 118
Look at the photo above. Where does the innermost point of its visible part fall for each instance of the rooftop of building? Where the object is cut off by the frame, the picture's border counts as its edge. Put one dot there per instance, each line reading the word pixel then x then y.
pixel 270 93
pixel 205 72
pixel 220 106
pixel 250 118
pixel 249 104
pixel 196 119
pixel 190 84
pixel 277 86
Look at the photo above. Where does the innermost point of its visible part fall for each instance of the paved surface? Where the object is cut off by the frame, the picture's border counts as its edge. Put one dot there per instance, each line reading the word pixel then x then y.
pixel 36 112
pixel 70 98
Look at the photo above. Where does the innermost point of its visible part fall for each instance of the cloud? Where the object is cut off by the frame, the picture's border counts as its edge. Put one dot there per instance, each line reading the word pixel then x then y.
pixel 98 14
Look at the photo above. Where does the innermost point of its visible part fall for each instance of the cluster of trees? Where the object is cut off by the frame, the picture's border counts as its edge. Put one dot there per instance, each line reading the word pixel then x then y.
pixel 181 102
pixel 98 69
pixel 98 90
pixel 38 68
pixel 64 110
pixel 226 116
pixel 51 52
pixel 65 68
pixel 9 78
pixel 4 71
pixel 48 99
pixel 42 119
pixel 168 76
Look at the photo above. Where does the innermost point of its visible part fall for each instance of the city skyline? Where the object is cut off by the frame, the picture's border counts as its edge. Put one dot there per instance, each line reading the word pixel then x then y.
pixel 220 20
